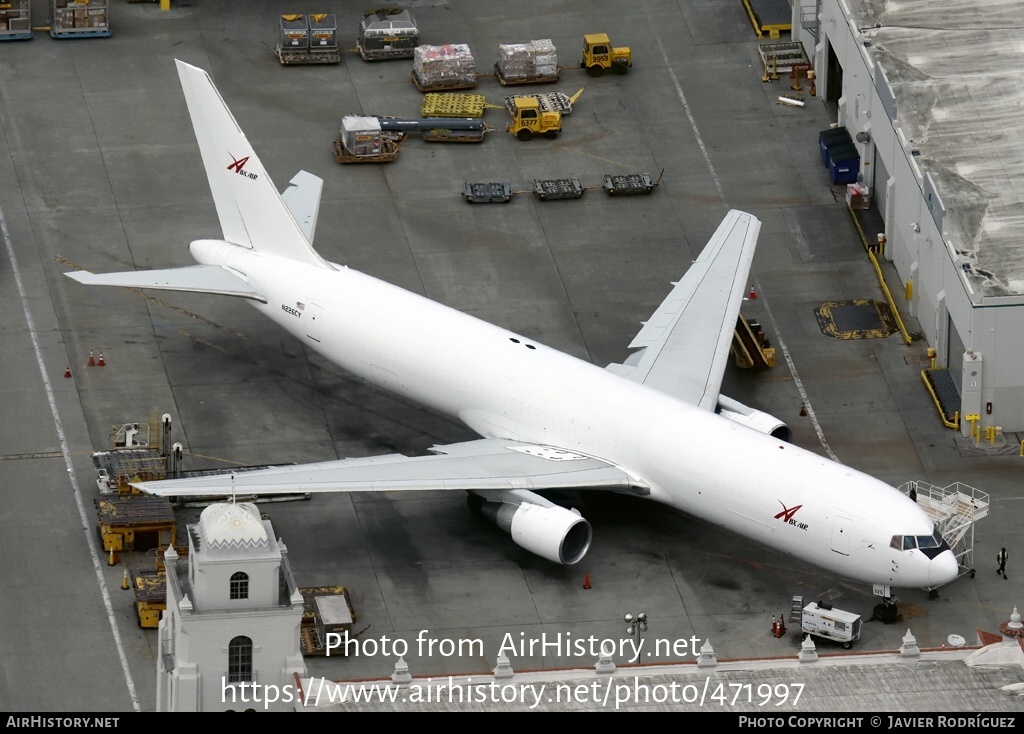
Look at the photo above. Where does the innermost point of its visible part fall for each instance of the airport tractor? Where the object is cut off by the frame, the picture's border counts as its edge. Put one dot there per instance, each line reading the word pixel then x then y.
pixel 528 119
pixel 599 55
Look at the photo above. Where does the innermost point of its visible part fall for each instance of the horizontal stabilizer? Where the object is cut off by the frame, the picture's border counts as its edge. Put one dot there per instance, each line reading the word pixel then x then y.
pixel 303 201
pixel 193 279
pixel 475 465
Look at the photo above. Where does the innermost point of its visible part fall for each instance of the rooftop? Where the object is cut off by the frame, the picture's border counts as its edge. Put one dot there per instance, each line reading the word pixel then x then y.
pixel 958 82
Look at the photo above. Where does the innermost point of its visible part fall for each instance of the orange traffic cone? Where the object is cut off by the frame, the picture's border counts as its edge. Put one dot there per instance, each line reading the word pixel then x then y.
pixel 781 630
pixel 775 626
pixel 101 363
pixel 67 371
pixel 92 359
pixel 124 580
pixel 752 295
pixel 112 560
pixel 803 409
pixel 586 580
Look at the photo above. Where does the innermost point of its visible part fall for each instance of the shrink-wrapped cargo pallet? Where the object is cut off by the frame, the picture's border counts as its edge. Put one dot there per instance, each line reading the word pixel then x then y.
pixel 523 62
pixel 449 66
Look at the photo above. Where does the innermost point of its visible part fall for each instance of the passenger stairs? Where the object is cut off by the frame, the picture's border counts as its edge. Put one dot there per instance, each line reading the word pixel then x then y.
pixel 954 509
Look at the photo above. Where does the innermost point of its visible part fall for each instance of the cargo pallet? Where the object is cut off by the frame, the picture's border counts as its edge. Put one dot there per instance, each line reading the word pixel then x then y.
pixel 453 105
pixel 388 152
pixel 79 19
pixel 532 79
pixel 297 58
pixel 18 25
pixel 549 101
pixel 558 188
pixel 488 193
pixel 630 185
pixel 448 84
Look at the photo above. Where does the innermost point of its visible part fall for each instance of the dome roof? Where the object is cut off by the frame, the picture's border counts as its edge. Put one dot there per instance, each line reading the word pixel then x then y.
pixel 231 525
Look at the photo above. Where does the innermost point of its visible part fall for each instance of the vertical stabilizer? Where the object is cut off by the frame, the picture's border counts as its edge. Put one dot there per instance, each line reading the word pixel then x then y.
pixel 251 211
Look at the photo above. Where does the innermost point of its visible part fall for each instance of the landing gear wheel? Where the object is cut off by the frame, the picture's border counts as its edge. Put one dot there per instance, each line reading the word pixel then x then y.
pixel 524 134
pixel 933 595
pixel 885 613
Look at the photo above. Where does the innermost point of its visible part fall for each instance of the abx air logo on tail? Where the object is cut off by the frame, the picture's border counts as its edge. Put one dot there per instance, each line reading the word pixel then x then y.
pixel 787 516
pixel 238 166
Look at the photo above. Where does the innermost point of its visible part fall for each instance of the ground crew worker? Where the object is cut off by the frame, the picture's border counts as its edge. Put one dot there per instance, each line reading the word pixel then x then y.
pixel 1001 558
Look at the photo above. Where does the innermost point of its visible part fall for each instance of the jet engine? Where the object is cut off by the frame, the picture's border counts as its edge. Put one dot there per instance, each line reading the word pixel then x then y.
pixel 546 529
pixel 758 420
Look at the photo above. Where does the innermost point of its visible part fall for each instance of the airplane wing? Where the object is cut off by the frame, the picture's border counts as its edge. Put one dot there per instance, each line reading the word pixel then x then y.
pixel 684 347
pixel 485 464
pixel 192 278
pixel 303 200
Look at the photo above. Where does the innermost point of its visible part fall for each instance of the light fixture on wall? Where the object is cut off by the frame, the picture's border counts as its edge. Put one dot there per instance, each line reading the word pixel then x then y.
pixel 915 226
pixel 863 137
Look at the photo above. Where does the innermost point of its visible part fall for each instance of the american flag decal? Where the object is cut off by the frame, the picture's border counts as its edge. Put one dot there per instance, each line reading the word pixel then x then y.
pixel 300 305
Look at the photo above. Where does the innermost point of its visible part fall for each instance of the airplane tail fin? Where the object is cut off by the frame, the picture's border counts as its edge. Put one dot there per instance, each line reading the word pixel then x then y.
pixel 251 211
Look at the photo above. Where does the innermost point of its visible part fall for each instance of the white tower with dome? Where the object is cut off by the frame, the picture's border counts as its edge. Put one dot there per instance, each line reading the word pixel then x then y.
pixel 229 639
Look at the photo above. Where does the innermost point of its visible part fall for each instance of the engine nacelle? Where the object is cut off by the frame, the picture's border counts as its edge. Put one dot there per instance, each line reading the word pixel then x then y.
pixel 758 420
pixel 553 532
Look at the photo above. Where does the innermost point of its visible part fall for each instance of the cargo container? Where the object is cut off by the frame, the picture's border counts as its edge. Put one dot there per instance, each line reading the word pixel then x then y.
pixel 387 33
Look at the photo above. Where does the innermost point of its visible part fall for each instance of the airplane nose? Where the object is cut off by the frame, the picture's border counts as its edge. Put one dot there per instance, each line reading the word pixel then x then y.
pixel 943 569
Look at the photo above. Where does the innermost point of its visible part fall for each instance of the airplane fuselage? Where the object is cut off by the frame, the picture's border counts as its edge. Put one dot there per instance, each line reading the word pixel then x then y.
pixel 503 385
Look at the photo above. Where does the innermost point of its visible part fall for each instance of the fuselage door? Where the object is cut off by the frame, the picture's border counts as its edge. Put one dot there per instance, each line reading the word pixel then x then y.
pixel 841 531
pixel 314 322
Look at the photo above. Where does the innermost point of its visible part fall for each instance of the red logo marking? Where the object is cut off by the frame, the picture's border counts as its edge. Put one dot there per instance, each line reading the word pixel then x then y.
pixel 238 165
pixel 787 513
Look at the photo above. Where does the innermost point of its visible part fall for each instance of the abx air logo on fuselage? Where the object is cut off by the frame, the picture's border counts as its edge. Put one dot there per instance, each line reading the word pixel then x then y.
pixel 787 516
pixel 238 166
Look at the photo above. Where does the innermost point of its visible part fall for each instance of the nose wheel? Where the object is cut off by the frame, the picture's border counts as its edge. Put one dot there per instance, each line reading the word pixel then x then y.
pixel 887 612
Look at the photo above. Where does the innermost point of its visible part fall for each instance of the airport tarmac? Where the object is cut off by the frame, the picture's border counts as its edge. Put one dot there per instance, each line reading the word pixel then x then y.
pixel 100 170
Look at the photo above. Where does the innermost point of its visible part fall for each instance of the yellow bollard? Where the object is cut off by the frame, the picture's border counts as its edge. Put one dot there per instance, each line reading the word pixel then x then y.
pixel 165 4
pixel 973 420
pixel 931 356
pixel 124 580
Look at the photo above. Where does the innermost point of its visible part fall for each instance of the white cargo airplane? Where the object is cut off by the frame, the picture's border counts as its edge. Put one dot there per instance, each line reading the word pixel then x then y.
pixel 655 426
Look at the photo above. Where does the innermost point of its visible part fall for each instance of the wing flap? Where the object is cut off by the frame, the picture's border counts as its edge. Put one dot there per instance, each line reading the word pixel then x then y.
pixel 684 346
pixel 486 464
pixel 192 279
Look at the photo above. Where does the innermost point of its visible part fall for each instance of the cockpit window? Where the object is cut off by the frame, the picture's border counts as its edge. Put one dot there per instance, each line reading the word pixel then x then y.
pixel 930 541
pixel 910 542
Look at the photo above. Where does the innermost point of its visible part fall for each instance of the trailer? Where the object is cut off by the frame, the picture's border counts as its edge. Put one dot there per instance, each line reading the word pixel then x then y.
pixel 822 620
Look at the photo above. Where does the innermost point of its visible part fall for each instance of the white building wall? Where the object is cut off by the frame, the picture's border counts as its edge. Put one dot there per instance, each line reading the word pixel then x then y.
pixel 915 246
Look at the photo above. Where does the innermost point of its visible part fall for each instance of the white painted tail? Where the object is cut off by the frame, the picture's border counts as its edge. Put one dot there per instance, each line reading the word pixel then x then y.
pixel 251 211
